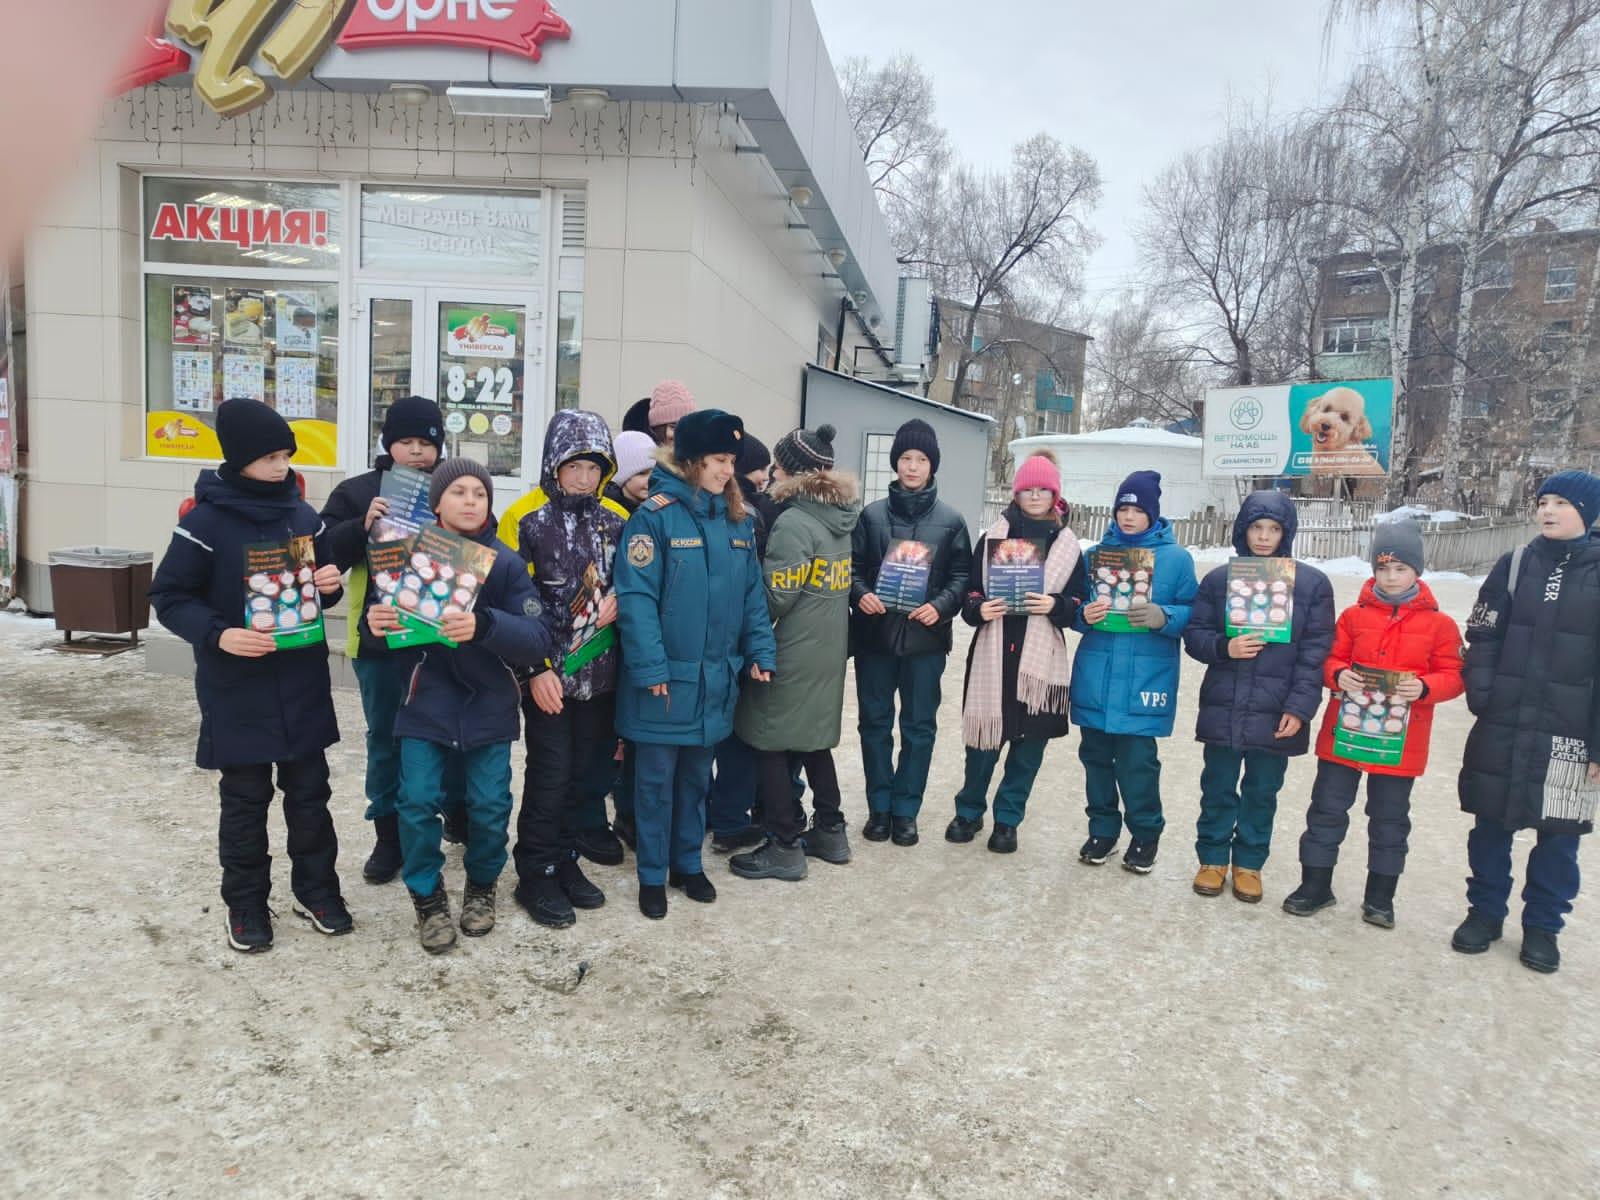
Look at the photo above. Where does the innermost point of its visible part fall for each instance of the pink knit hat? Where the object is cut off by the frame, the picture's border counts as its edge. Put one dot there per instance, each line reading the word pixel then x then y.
pixel 1038 472
pixel 670 402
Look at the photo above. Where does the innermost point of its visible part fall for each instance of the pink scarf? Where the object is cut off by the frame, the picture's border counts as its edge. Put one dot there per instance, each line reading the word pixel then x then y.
pixel 1044 672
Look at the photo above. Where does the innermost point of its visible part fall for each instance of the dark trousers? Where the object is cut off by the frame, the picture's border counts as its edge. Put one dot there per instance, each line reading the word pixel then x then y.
pixel 560 765
pixel 1550 884
pixel 1023 761
pixel 382 683
pixel 669 808
pixel 1121 767
pixel 782 815
pixel 734 802
pixel 242 831
pixel 1236 817
pixel 1388 817
pixel 892 788
pixel 603 778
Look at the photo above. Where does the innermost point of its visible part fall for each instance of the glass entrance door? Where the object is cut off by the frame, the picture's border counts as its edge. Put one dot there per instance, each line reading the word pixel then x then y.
pixel 477 352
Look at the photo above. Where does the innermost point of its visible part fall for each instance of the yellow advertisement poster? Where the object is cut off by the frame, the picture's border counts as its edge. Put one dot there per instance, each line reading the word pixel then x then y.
pixel 183 435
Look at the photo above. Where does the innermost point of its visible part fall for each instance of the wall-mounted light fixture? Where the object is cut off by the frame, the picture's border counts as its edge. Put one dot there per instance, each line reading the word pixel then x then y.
pixel 531 104
pixel 588 99
pixel 412 95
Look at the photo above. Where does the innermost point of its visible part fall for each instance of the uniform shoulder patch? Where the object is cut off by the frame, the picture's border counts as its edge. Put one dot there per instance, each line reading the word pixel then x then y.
pixel 660 500
pixel 641 550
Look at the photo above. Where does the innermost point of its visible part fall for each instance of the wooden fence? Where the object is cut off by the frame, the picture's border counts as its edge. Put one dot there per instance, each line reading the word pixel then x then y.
pixel 1327 529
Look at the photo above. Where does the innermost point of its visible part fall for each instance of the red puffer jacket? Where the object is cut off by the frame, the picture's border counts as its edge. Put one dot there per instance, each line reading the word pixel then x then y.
pixel 1415 637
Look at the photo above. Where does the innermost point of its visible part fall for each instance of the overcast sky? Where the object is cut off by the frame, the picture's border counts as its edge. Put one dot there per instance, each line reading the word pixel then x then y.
pixel 1133 82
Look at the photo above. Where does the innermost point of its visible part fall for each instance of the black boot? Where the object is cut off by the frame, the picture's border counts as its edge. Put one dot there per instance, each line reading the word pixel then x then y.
pixel 385 861
pixel 877 828
pixel 576 884
pixel 903 830
pixel 1540 951
pixel 545 901
pixel 1377 907
pixel 1476 934
pixel 1314 894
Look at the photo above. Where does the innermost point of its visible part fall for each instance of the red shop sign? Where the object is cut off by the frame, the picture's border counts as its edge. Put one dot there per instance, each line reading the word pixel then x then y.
pixel 243 227
pixel 517 26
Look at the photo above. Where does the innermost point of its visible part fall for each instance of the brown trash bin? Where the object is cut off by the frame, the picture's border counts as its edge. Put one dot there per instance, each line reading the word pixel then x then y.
pixel 100 589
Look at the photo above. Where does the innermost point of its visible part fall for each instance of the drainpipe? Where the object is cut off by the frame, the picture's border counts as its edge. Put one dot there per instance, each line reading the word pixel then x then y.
pixel 838 337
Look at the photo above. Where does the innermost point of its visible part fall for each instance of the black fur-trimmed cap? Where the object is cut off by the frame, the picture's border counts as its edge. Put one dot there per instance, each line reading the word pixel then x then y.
pixel 707 431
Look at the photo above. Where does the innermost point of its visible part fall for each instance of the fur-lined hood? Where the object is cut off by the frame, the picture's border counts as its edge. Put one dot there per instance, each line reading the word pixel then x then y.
pixel 838 488
pixel 829 496
pixel 669 462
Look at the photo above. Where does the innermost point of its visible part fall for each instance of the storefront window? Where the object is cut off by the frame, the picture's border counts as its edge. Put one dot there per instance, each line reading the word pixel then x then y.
pixel 391 363
pixel 238 303
pixel 482 368
pixel 434 232
pixel 569 348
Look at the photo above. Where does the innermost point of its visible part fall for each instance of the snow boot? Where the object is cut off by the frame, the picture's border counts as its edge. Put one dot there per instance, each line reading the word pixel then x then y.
pixel 1314 894
pixel 385 861
pixel 1477 933
pixel 1377 906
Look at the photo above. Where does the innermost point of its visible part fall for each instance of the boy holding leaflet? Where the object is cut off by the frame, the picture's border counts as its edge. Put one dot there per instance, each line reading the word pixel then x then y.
pixel 261 704
pixel 1395 656
pixel 1263 626
pixel 911 558
pixel 462 696
pixel 1125 675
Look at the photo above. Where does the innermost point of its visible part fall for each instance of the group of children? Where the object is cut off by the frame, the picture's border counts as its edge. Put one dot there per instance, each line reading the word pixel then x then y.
pixel 666 624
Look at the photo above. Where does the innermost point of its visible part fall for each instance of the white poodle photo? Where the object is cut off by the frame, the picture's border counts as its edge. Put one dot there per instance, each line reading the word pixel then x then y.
pixel 1339 429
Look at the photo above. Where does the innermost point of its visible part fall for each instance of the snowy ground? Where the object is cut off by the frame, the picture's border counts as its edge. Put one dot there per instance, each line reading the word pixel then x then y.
pixel 932 1022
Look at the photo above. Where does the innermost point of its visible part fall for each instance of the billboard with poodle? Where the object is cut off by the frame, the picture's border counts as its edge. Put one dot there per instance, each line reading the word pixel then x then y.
pixel 1332 427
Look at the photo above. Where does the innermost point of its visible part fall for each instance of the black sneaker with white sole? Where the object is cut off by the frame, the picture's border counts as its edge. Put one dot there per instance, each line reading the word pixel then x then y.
pixel 1140 857
pixel 328 916
pixel 1096 850
pixel 250 929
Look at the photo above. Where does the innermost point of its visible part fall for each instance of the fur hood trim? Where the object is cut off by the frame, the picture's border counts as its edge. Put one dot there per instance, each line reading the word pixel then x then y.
pixel 838 488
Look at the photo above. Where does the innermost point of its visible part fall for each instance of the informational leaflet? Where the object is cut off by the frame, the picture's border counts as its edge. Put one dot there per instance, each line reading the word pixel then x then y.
pixel 439 574
pixel 1016 567
pixel 903 578
pixel 192 322
pixel 191 381
pixel 1373 720
pixel 589 638
pixel 1126 576
pixel 406 490
pixel 244 377
pixel 280 595
pixel 1261 598
pixel 296 388
pixel 296 325
pixel 245 318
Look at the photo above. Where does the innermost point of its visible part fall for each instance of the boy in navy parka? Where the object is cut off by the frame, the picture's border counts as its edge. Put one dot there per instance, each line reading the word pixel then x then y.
pixel 1256 701
pixel 692 612
pixel 260 707
pixel 1125 685
pixel 464 699
pixel 413 436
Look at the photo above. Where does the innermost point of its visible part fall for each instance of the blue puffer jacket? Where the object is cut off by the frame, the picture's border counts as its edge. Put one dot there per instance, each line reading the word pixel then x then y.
pixel 270 709
pixel 1128 682
pixel 692 610
pixel 1242 700
pixel 470 696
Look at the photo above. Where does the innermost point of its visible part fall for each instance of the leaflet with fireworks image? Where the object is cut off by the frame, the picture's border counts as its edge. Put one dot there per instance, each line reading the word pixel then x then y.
pixel 280 595
pixel 1126 576
pixel 1373 719
pixel 1261 598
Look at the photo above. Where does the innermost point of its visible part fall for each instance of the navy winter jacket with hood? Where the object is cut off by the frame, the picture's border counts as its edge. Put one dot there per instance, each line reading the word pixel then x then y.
pixel 470 696
pixel 1242 700
pixel 275 708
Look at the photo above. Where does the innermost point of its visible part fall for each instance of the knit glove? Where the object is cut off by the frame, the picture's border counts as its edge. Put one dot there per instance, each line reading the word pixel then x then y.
pixel 1147 616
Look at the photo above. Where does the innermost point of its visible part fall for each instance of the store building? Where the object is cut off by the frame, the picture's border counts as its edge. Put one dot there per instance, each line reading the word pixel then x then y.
pixel 335 233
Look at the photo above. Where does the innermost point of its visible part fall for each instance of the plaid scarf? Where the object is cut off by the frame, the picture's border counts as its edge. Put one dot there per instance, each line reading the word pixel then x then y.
pixel 1044 672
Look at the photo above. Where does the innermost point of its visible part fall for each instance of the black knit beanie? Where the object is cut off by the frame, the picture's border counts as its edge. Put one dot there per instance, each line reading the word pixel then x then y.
pixel 413 417
pixel 805 450
pixel 753 454
pixel 249 429
pixel 915 434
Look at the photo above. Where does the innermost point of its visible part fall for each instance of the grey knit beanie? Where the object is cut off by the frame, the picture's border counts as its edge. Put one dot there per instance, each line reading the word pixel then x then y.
pixel 1399 540
pixel 452 469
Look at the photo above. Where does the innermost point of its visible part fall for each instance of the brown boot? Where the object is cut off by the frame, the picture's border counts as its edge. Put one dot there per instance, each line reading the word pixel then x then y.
pixel 1247 885
pixel 477 910
pixel 434 928
pixel 1210 879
